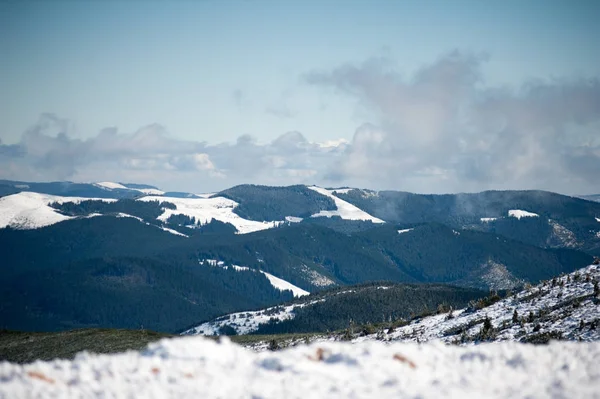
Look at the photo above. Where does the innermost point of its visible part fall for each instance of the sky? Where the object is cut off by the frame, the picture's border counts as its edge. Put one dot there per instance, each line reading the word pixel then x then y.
pixel 422 96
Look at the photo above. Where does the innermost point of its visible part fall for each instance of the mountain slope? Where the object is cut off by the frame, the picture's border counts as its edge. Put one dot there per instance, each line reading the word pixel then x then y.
pixel 336 309
pixel 567 307
pixel 562 222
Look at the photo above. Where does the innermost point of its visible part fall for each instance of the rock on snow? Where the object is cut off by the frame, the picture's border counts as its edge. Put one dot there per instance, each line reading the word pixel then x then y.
pixel 197 367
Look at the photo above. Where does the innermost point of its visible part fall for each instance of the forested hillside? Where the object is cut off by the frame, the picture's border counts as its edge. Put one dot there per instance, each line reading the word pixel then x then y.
pixel 561 221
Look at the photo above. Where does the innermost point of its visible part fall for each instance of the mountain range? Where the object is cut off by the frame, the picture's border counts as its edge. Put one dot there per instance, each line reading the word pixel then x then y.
pixel 131 255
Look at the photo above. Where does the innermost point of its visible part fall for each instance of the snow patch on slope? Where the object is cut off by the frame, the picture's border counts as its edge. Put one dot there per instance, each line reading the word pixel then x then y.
pixel 345 210
pixel 28 210
pixel 487 220
pixel 111 185
pixel 341 190
pixel 276 282
pixel 243 322
pixel 282 285
pixel 517 213
pixel 316 278
pixel 404 231
pixel 561 236
pixel 168 230
pixel 197 367
pixel 207 209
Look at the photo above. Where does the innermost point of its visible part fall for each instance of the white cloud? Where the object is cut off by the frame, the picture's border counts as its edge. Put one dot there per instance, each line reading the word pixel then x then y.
pixel 443 130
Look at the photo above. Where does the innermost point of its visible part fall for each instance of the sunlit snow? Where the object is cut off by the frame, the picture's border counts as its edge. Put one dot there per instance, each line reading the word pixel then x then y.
pixel 207 209
pixel 345 210
pixel 276 282
pixel 517 213
pixel 198 367
pixel 27 210
pixel 111 185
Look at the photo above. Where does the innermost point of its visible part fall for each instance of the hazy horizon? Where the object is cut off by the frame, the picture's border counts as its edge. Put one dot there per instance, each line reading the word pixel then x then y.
pixel 428 97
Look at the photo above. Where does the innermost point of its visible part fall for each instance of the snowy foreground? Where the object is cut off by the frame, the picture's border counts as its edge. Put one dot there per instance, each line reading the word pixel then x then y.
pixel 201 368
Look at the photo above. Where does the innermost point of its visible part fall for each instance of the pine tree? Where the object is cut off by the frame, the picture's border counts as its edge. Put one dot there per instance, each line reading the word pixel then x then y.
pixel 515 317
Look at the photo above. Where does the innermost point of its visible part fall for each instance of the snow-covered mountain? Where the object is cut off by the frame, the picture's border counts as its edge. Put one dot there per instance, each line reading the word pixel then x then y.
pixel 28 210
pixel 564 308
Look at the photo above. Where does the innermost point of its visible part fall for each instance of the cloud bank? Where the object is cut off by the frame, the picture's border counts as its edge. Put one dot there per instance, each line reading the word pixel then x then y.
pixel 441 130
pixel 47 152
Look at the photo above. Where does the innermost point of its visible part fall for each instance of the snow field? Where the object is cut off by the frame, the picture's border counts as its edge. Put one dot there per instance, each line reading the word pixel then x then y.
pixel 517 213
pixel 345 210
pixel 196 367
pixel 207 209
pixel 28 210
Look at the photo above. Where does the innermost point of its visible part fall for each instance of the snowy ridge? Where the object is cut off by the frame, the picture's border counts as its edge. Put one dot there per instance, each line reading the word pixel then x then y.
pixel 196 367
pixel 207 209
pixel 345 210
pixel 111 186
pixel 564 306
pixel 28 210
pixel 150 191
pixel 118 186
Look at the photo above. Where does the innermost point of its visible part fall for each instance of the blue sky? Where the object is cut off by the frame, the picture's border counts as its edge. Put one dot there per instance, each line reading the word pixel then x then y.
pixel 209 72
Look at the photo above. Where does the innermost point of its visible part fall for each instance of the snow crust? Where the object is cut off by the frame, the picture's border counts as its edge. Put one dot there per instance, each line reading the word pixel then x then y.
pixel 345 210
pixel 207 209
pixel 197 367
pixel 293 219
pixel 28 210
pixel 597 219
pixel 517 213
pixel 404 231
